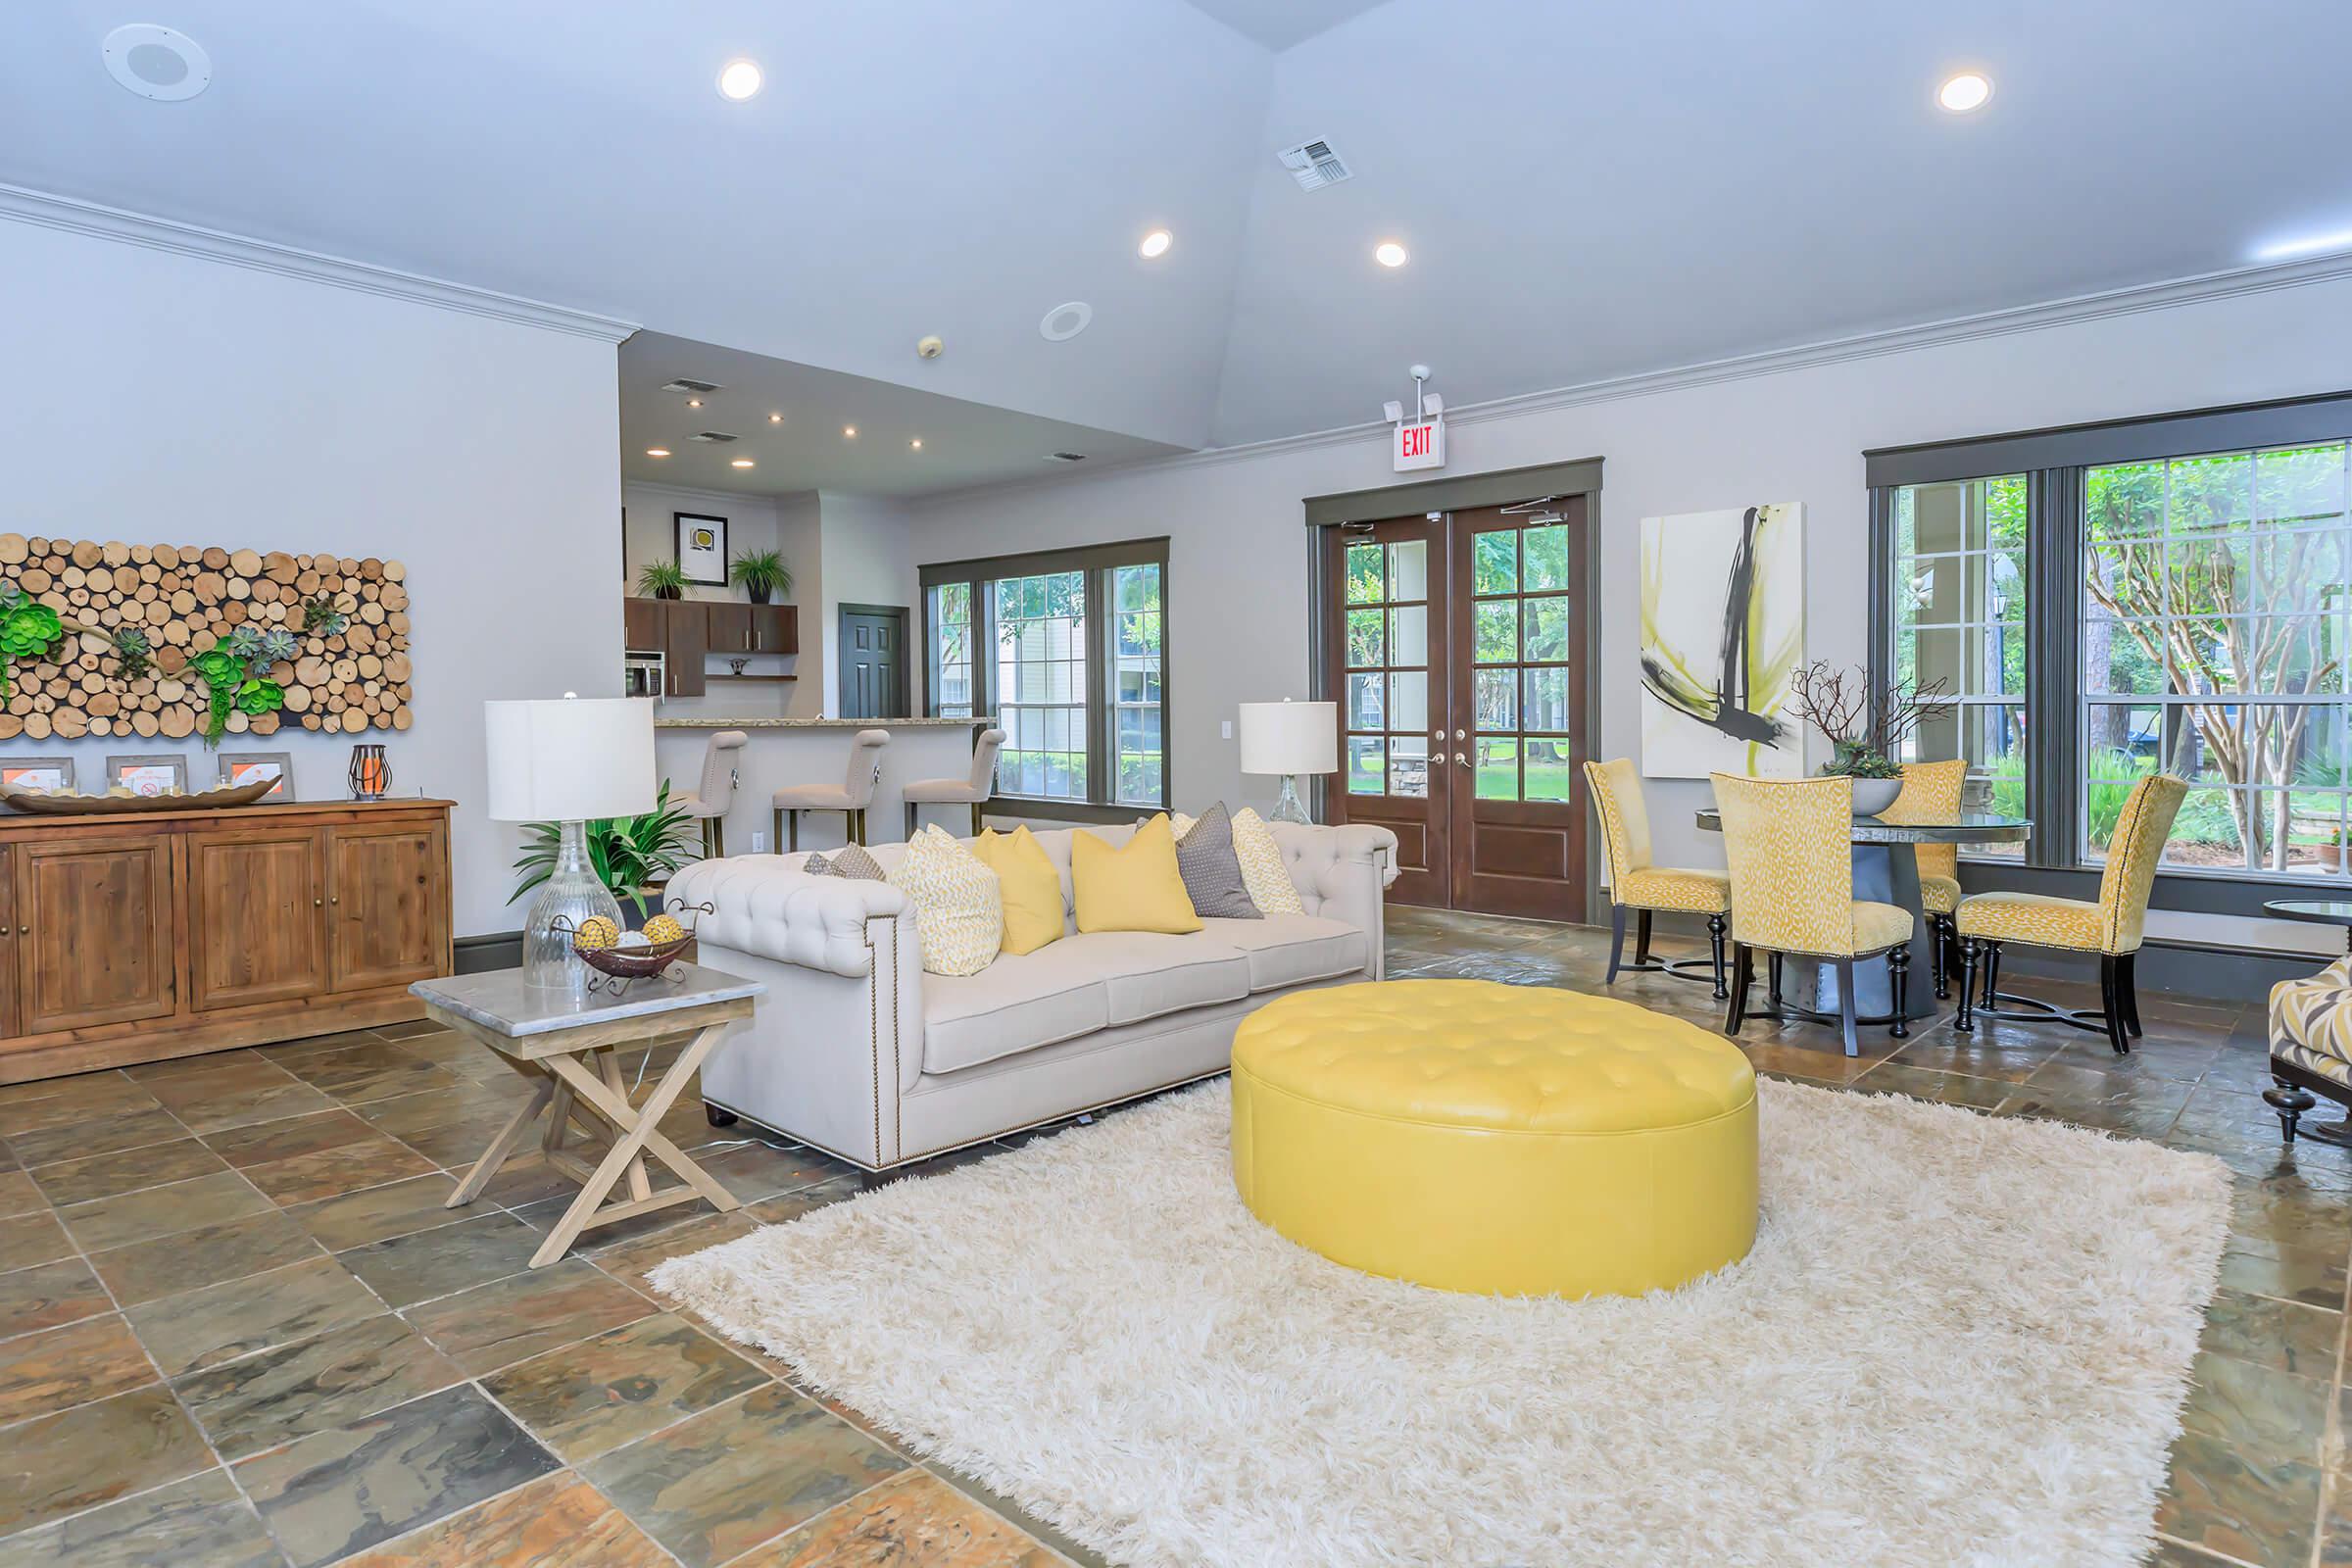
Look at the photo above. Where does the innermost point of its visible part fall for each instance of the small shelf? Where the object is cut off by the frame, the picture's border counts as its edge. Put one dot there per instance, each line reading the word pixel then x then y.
pixel 723 674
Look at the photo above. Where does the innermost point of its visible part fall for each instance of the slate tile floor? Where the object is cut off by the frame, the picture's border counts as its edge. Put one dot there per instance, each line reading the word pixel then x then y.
pixel 238 1328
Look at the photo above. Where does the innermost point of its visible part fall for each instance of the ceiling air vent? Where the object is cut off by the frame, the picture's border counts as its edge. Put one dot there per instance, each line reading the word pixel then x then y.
pixel 1065 457
pixel 687 388
pixel 1313 165
pixel 719 436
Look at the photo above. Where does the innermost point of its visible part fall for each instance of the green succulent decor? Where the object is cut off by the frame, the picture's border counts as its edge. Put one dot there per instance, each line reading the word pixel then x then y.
pixel 28 630
pixel 134 655
pixel 323 617
pixel 235 675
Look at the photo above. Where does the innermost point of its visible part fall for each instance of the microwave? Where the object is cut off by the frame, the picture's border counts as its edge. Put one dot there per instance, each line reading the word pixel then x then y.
pixel 641 675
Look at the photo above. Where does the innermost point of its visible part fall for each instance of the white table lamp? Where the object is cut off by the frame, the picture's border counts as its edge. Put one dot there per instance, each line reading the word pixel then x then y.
pixel 569 762
pixel 1289 738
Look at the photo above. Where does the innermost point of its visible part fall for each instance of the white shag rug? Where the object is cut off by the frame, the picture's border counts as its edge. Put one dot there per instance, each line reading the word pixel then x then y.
pixel 1958 1340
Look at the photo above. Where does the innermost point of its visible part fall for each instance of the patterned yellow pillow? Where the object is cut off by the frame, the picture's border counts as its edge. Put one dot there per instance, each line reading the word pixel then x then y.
pixel 958 905
pixel 1264 874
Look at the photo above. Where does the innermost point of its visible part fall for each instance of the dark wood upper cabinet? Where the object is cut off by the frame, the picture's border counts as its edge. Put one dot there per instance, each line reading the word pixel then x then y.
pixel 641 626
pixel 386 908
pixel 256 917
pixel 687 627
pixel 775 628
pixel 94 934
pixel 730 628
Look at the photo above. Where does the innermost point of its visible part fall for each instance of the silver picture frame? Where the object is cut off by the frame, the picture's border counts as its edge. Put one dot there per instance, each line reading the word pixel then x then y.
pixel 50 775
pixel 238 767
pixel 172 763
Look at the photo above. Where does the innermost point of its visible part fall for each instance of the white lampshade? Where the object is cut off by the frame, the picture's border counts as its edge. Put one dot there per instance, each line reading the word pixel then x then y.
pixel 570 759
pixel 1290 737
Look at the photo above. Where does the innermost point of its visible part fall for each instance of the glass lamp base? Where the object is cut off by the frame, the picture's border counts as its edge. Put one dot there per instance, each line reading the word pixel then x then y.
pixel 572 895
pixel 1290 809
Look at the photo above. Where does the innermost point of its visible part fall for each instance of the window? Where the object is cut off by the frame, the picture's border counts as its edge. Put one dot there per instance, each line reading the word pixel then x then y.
pixel 1388 669
pixel 1065 648
pixel 2171 594
pixel 2214 620
pixel 1959 603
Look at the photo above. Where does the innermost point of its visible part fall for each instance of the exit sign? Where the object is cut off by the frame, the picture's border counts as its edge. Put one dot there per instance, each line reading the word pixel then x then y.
pixel 1420 444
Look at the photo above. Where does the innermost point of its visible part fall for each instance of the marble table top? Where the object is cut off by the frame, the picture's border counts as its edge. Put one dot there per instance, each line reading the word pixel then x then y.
pixel 498 1000
pixel 1970 827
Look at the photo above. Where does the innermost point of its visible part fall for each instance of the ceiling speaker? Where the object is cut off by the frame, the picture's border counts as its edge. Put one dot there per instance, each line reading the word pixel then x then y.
pixel 156 63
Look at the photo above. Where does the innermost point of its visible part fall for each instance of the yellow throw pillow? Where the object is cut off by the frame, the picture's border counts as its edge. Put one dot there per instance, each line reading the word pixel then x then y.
pixel 958 909
pixel 1032 887
pixel 1133 888
pixel 1265 876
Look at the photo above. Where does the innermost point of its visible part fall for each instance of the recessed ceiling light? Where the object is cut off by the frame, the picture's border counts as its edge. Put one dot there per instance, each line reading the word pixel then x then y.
pixel 775 419
pixel 916 443
pixel 849 430
pixel 1964 92
pixel 743 463
pixel 1387 253
pixel 657 451
pixel 1155 243
pixel 739 79
pixel 156 63
pixel 2309 245
pixel 694 403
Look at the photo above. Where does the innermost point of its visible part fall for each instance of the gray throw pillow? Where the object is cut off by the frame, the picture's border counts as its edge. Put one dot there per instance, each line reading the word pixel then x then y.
pixel 1211 871
pixel 851 860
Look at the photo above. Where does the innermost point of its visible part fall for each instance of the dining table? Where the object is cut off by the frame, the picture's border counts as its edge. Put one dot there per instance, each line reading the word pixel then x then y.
pixel 1886 862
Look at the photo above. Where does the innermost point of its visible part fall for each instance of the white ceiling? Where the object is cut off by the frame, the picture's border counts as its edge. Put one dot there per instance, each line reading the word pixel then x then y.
pixel 964 444
pixel 1587 190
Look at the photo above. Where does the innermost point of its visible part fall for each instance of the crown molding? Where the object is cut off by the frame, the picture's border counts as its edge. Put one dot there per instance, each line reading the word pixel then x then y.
pixel 2171 294
pixel 46 211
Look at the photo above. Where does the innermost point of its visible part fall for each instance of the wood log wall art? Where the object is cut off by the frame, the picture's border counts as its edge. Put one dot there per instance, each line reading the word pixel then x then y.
pixel 178 640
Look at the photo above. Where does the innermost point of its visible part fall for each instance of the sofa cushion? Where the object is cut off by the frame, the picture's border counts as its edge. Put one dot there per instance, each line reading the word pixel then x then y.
pixel 1291 950
pixel 1148 974
pixel 1016 1003
pixel 1135 887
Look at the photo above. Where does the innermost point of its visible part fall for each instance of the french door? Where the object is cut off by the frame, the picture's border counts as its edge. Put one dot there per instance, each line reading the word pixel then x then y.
pixel 1456 659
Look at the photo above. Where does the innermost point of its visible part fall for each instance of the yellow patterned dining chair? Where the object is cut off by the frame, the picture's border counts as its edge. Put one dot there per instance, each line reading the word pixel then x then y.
pixel 2110 927
pixel 1791 847
pixel 1932 795
pixel 1638 885
pixel 2311 1050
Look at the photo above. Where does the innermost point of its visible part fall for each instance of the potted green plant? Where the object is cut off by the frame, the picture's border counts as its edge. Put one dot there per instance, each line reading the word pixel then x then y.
pixel 662 579
pixel 1864 729
pixel 632 856
pixel 760 574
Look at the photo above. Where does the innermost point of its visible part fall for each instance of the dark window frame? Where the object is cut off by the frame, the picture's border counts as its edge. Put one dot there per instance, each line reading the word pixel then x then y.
pixel 1100 563
pixel 2054 461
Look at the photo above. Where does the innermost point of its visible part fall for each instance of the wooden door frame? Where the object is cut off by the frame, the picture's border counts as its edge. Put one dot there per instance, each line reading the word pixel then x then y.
pixel 1325 520
pixel 904 687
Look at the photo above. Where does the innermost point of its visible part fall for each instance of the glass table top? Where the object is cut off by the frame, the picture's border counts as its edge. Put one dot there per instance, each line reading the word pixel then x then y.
pixel 1969 827
pixel 2326 911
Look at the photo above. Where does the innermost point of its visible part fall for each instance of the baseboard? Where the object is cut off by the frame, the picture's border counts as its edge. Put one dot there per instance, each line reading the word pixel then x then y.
pixel 499 949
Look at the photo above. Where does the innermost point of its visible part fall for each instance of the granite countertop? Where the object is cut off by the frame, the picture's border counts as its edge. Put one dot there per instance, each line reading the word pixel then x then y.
pixel 698 722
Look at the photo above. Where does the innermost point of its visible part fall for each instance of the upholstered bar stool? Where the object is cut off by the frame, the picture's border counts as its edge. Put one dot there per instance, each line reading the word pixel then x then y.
pixel 972 792
pixel 1789 844
pixel 851 798
pixel 2111 928
pixel 1635 884
pixel 709 803
pixel 1932 793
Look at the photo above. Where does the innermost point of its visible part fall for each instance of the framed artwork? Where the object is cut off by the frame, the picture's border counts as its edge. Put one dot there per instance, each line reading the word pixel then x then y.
pixel 702 547
pixel 148 775
pixel 243 767
pixel 46 775
pixel 1723 634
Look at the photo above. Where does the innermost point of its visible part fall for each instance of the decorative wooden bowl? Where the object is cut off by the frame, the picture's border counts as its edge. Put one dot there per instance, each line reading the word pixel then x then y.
pixel 633 963
pixel 118 805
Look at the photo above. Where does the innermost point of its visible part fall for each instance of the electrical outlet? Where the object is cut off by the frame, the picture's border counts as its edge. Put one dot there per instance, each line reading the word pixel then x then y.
pixel 759 843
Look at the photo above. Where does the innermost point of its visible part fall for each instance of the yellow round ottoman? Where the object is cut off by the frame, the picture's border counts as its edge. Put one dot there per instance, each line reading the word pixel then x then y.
pixel 1497 1139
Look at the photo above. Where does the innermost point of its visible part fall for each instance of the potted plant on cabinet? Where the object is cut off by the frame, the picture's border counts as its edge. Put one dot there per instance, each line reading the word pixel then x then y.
pixel 662 579
pixel 1864 729
pixel 760 574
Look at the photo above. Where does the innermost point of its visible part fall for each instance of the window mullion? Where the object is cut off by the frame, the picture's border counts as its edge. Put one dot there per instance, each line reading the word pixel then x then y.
pixel 2054 668
pixel 1102 644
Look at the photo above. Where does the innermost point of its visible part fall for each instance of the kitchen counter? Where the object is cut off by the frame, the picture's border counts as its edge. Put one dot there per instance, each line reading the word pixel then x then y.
pixel 822 724
pixel 778 751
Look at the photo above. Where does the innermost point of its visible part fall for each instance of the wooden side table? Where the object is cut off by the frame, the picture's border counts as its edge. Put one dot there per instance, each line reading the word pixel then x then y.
pixel 568 1050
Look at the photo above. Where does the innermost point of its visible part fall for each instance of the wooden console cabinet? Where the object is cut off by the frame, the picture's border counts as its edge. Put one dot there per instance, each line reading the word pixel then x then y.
pixel 138 937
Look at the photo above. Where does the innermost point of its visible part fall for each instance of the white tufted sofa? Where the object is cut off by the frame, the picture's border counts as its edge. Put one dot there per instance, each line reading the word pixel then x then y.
pixel 856 1051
